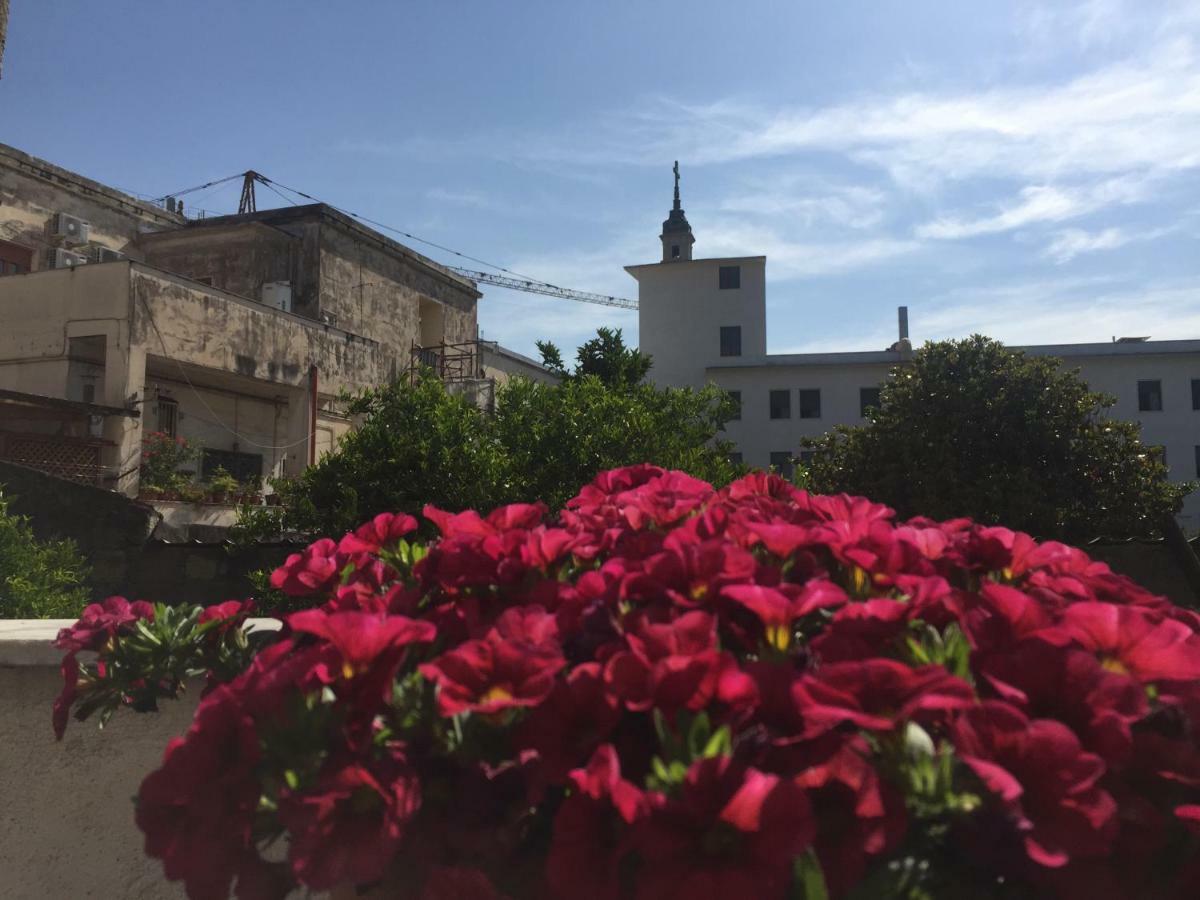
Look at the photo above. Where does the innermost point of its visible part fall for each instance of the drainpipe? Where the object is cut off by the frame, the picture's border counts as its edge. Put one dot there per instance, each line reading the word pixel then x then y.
pixel 312 419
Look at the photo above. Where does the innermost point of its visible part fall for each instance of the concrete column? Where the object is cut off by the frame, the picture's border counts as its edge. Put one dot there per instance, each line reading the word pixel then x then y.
pixel 296 432
pixel 124 379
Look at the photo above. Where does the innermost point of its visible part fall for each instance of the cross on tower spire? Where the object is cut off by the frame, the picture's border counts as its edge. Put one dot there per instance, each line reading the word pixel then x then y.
pixel 677 236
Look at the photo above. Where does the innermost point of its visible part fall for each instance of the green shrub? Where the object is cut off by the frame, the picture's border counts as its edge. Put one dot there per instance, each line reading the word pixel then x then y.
pixel 38 579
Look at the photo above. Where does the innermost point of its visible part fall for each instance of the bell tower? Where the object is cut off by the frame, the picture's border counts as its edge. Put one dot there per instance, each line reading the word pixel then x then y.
pixel 677 238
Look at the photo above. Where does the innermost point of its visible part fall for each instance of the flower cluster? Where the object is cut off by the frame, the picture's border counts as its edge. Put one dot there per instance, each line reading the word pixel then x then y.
pixel 671 691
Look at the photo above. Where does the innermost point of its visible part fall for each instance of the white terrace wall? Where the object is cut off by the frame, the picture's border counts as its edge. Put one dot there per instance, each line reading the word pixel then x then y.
pixel 66 821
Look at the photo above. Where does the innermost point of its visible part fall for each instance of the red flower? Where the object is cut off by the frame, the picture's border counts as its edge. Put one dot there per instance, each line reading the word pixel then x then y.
pixel 670 666
pixel 1129 640
pixel 361 638
pixel 591 830
pixel 314 571
pixel 492 675
pixel 347 827
pixel 1042 777
pixel 64 701
pixel 876 694
pixel 577 715
pixel 198 809
pixel 777 608
pixel 230 614
pixel 102 621
pixel 385 530
pixel 731 832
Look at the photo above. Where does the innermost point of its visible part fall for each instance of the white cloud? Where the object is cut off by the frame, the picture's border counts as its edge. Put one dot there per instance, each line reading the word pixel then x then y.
pixel 1071 242
pixel 1039 203
pixel 810 201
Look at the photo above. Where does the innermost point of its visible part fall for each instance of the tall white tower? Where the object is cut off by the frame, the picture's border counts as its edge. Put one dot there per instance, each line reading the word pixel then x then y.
pixel 677 238
pixel 697 315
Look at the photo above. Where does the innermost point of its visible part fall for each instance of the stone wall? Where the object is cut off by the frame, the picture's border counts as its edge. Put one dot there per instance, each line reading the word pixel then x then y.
pixel 109 529
pixel 114 532
pixel 32 191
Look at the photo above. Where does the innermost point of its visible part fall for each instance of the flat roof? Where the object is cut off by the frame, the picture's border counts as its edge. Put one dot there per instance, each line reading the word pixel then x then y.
pixel 286 214
pixel 684 262
pixel 877 357
pixel 41 168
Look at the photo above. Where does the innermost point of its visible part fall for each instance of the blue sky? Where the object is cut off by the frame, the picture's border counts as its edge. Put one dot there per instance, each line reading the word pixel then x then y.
pixel 1029 171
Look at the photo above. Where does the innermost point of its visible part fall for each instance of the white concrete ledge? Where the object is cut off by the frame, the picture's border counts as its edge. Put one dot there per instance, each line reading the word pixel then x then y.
pixel 30 642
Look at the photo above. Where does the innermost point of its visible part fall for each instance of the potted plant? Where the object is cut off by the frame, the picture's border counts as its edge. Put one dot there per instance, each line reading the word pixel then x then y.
pixel 222 485
pixel 162 455
pixel 191 492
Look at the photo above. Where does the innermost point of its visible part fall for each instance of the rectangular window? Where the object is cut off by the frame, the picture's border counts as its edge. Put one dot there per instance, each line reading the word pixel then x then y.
pixel 868 399
pixel 14 259
pixel 781 404
pixel 731 340
pixel 1198 461
pixel 810 403
pixel 735 397
pixel 729 278
pixel 782 462
pixel 674 251
pixel 1196 393
pixel 168 416
pixel 89 392
pixel 1150 396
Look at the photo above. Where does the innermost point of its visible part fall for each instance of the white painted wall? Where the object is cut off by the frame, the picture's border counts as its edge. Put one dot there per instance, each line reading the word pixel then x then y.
pixel 681 310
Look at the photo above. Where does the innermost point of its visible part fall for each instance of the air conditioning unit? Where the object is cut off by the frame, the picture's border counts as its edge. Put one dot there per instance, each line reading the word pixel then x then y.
pixel 71 229
pixel 104 254
pixel 59 258
pixel 278 294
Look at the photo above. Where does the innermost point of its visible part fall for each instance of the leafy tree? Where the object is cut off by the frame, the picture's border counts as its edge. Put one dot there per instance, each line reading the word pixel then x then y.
pixel 605 356
pixel 552 357
pixel 38 579
pixel 418 443
pixel 972 428
pixel 557 437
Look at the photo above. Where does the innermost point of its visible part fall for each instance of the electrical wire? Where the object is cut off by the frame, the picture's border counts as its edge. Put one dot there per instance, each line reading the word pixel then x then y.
pixel 199 187
pixel 408 234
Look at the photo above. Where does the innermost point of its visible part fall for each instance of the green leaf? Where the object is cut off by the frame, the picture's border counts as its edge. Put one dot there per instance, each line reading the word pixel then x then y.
pixel 808 880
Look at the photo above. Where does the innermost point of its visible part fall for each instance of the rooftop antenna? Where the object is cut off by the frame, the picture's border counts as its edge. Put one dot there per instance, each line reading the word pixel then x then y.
pixel 248 204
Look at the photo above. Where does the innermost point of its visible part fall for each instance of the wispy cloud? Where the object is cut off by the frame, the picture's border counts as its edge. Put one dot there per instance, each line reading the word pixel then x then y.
pixel 1040 203
pixel 1073 242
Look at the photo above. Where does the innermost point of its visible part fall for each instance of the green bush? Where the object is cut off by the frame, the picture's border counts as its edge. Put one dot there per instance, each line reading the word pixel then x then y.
pixel 38 579
pixel 973 428
pixel 419 443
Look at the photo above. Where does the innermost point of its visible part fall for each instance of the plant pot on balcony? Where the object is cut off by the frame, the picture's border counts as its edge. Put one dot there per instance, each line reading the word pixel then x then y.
pixel 219 496
pixel 150 493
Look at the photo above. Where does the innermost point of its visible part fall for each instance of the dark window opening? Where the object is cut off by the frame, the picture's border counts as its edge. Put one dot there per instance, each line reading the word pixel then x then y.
pixel 731 340
pixel 810 403
pixel 782 462
pixel 1196 393
pixel 735 397
pixel 868 399
pixel 14 259
pixel 1150 396
pixel 1198 461
pixel 781 404
pixel 89 393
pixel 674 251
pixel 168 416
pixel 729 278
pixel 245 467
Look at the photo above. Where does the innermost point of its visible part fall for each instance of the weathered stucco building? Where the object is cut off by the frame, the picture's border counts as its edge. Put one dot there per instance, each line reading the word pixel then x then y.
pixel 238 333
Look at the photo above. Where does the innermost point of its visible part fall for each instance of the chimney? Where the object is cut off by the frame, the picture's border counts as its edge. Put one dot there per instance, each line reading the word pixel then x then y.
pixel 904 323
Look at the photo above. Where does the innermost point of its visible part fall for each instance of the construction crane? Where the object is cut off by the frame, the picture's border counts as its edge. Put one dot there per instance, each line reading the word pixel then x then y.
pixel 248 203
pixel 542 287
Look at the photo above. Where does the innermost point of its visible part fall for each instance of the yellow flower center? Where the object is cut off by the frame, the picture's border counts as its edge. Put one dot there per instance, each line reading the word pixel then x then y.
pixel 495 694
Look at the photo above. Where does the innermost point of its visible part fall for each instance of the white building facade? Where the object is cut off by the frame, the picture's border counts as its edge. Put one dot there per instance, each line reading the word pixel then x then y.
pixel 704 321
